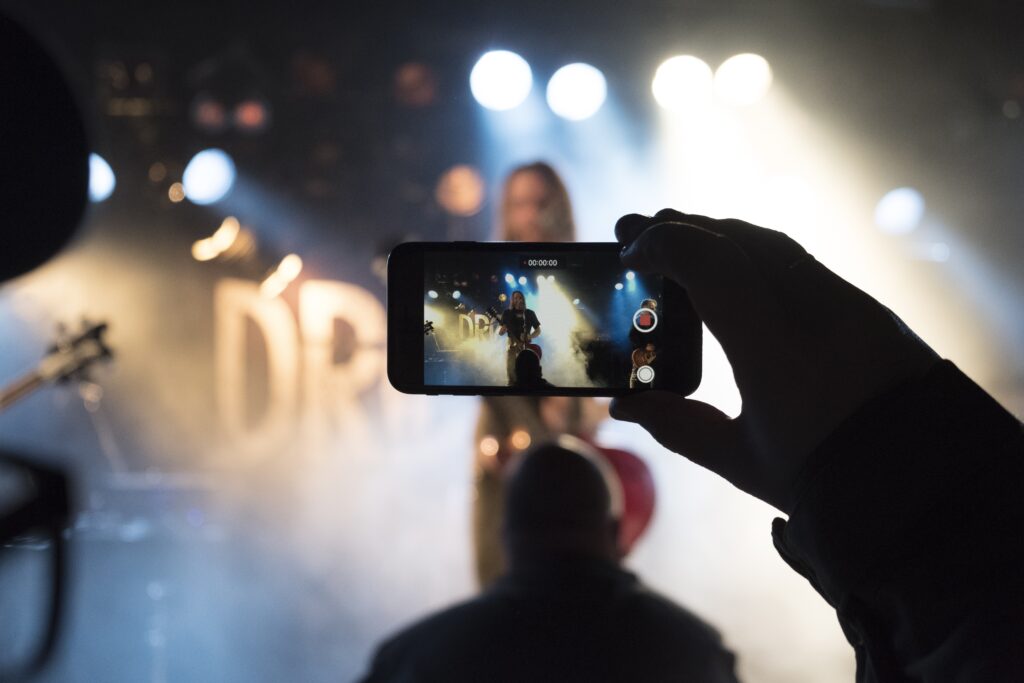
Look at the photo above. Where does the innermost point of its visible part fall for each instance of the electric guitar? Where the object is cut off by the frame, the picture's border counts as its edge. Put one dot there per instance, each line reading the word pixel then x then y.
pixel 525 342
pixel 67 360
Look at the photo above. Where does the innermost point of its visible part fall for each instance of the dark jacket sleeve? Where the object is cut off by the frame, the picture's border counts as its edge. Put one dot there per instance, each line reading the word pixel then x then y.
pixel 910 521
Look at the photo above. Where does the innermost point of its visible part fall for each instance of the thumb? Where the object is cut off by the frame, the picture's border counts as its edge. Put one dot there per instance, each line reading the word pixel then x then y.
pixel 695 429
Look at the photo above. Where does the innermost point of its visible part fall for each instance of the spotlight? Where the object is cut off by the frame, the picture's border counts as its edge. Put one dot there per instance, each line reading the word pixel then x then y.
pixel 101 178
pixel 743 79
pixel 432 294
pixel 899 211
pixel 500 80
pixel 575 302
pixel 682 83
pixel 522 279
pixel 577 91
pixel 540 279
pixel 630 275
pixel 208 176
pixel 551 278
pixel 509 279
pixel 456 294
pixel 618 286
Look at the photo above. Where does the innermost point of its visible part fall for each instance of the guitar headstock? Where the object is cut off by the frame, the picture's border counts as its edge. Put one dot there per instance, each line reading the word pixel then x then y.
pixel 491 311
pixel 428 328
pixel 74 353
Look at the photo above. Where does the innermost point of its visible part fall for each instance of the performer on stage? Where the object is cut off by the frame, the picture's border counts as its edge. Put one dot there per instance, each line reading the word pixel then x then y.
pixel 534 207
pixel 522 326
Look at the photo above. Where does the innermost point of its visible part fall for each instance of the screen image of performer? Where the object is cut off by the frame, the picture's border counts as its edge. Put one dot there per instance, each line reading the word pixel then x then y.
pixel 521 325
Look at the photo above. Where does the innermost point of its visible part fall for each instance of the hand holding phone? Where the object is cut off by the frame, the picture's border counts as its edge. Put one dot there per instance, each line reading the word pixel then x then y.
pixel 807 348
pixel 535 318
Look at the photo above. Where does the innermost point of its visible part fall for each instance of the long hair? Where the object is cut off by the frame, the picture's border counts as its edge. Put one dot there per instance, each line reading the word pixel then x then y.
pixel 559 225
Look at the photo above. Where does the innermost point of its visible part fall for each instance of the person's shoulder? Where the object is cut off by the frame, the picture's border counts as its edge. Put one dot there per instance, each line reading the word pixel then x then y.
pixel 443 640
pixel 438 629
pixel 651 610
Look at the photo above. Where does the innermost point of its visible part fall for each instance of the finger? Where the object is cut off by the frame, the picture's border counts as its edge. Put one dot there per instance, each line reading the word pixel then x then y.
pixel 629 227
pixel 697 430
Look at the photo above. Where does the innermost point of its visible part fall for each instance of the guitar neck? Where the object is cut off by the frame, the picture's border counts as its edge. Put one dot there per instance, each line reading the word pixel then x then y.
pixel 20 388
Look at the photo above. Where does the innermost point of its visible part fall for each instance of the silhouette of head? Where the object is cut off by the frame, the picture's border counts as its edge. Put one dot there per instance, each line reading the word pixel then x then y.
pixel 558 504
pixel 528 371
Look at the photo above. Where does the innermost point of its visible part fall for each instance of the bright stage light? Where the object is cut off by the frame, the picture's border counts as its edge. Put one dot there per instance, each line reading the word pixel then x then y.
pixel 509 279
pixel 618 286
pixel 432 294
pixel 101 178
pixel 456 294
pixel 630 275
pixel 575 302
pixel 208 176
pixel 551 278
pixel 899 211
pixel 540 278
pixel 522 279
pixel 743 79
pixel 501 80
pixel 683 83
pixel 577 91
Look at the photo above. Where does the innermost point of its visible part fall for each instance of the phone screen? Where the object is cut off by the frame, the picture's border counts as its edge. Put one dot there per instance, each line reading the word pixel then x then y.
pixel 535 321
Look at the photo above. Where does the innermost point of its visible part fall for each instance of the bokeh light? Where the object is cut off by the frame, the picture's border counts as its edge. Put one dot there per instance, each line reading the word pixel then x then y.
pixel 899 211
pixel 461 190
pixel 501 80
pixel 209 176
pixel 576 91
pixel 683 83
pixel 101 178
pixel 743 79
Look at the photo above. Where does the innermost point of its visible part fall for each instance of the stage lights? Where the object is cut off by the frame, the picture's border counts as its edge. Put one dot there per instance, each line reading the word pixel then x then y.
pixel 208 176
pixel 899 211
pixel 683 83
pixel 576 91
pixel 522 279
pixel 501 80
pixel 630 275
pixel 101 178
pixel 456 295
pixel 509 279
pixel 743 79
pixel 432 294
pixel 618 286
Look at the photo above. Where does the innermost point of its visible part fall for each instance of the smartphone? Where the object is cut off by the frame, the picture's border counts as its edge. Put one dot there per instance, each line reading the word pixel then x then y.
pixel 519 318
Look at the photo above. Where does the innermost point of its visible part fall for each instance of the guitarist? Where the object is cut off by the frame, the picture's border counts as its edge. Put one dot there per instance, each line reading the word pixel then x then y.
pixel 522 326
